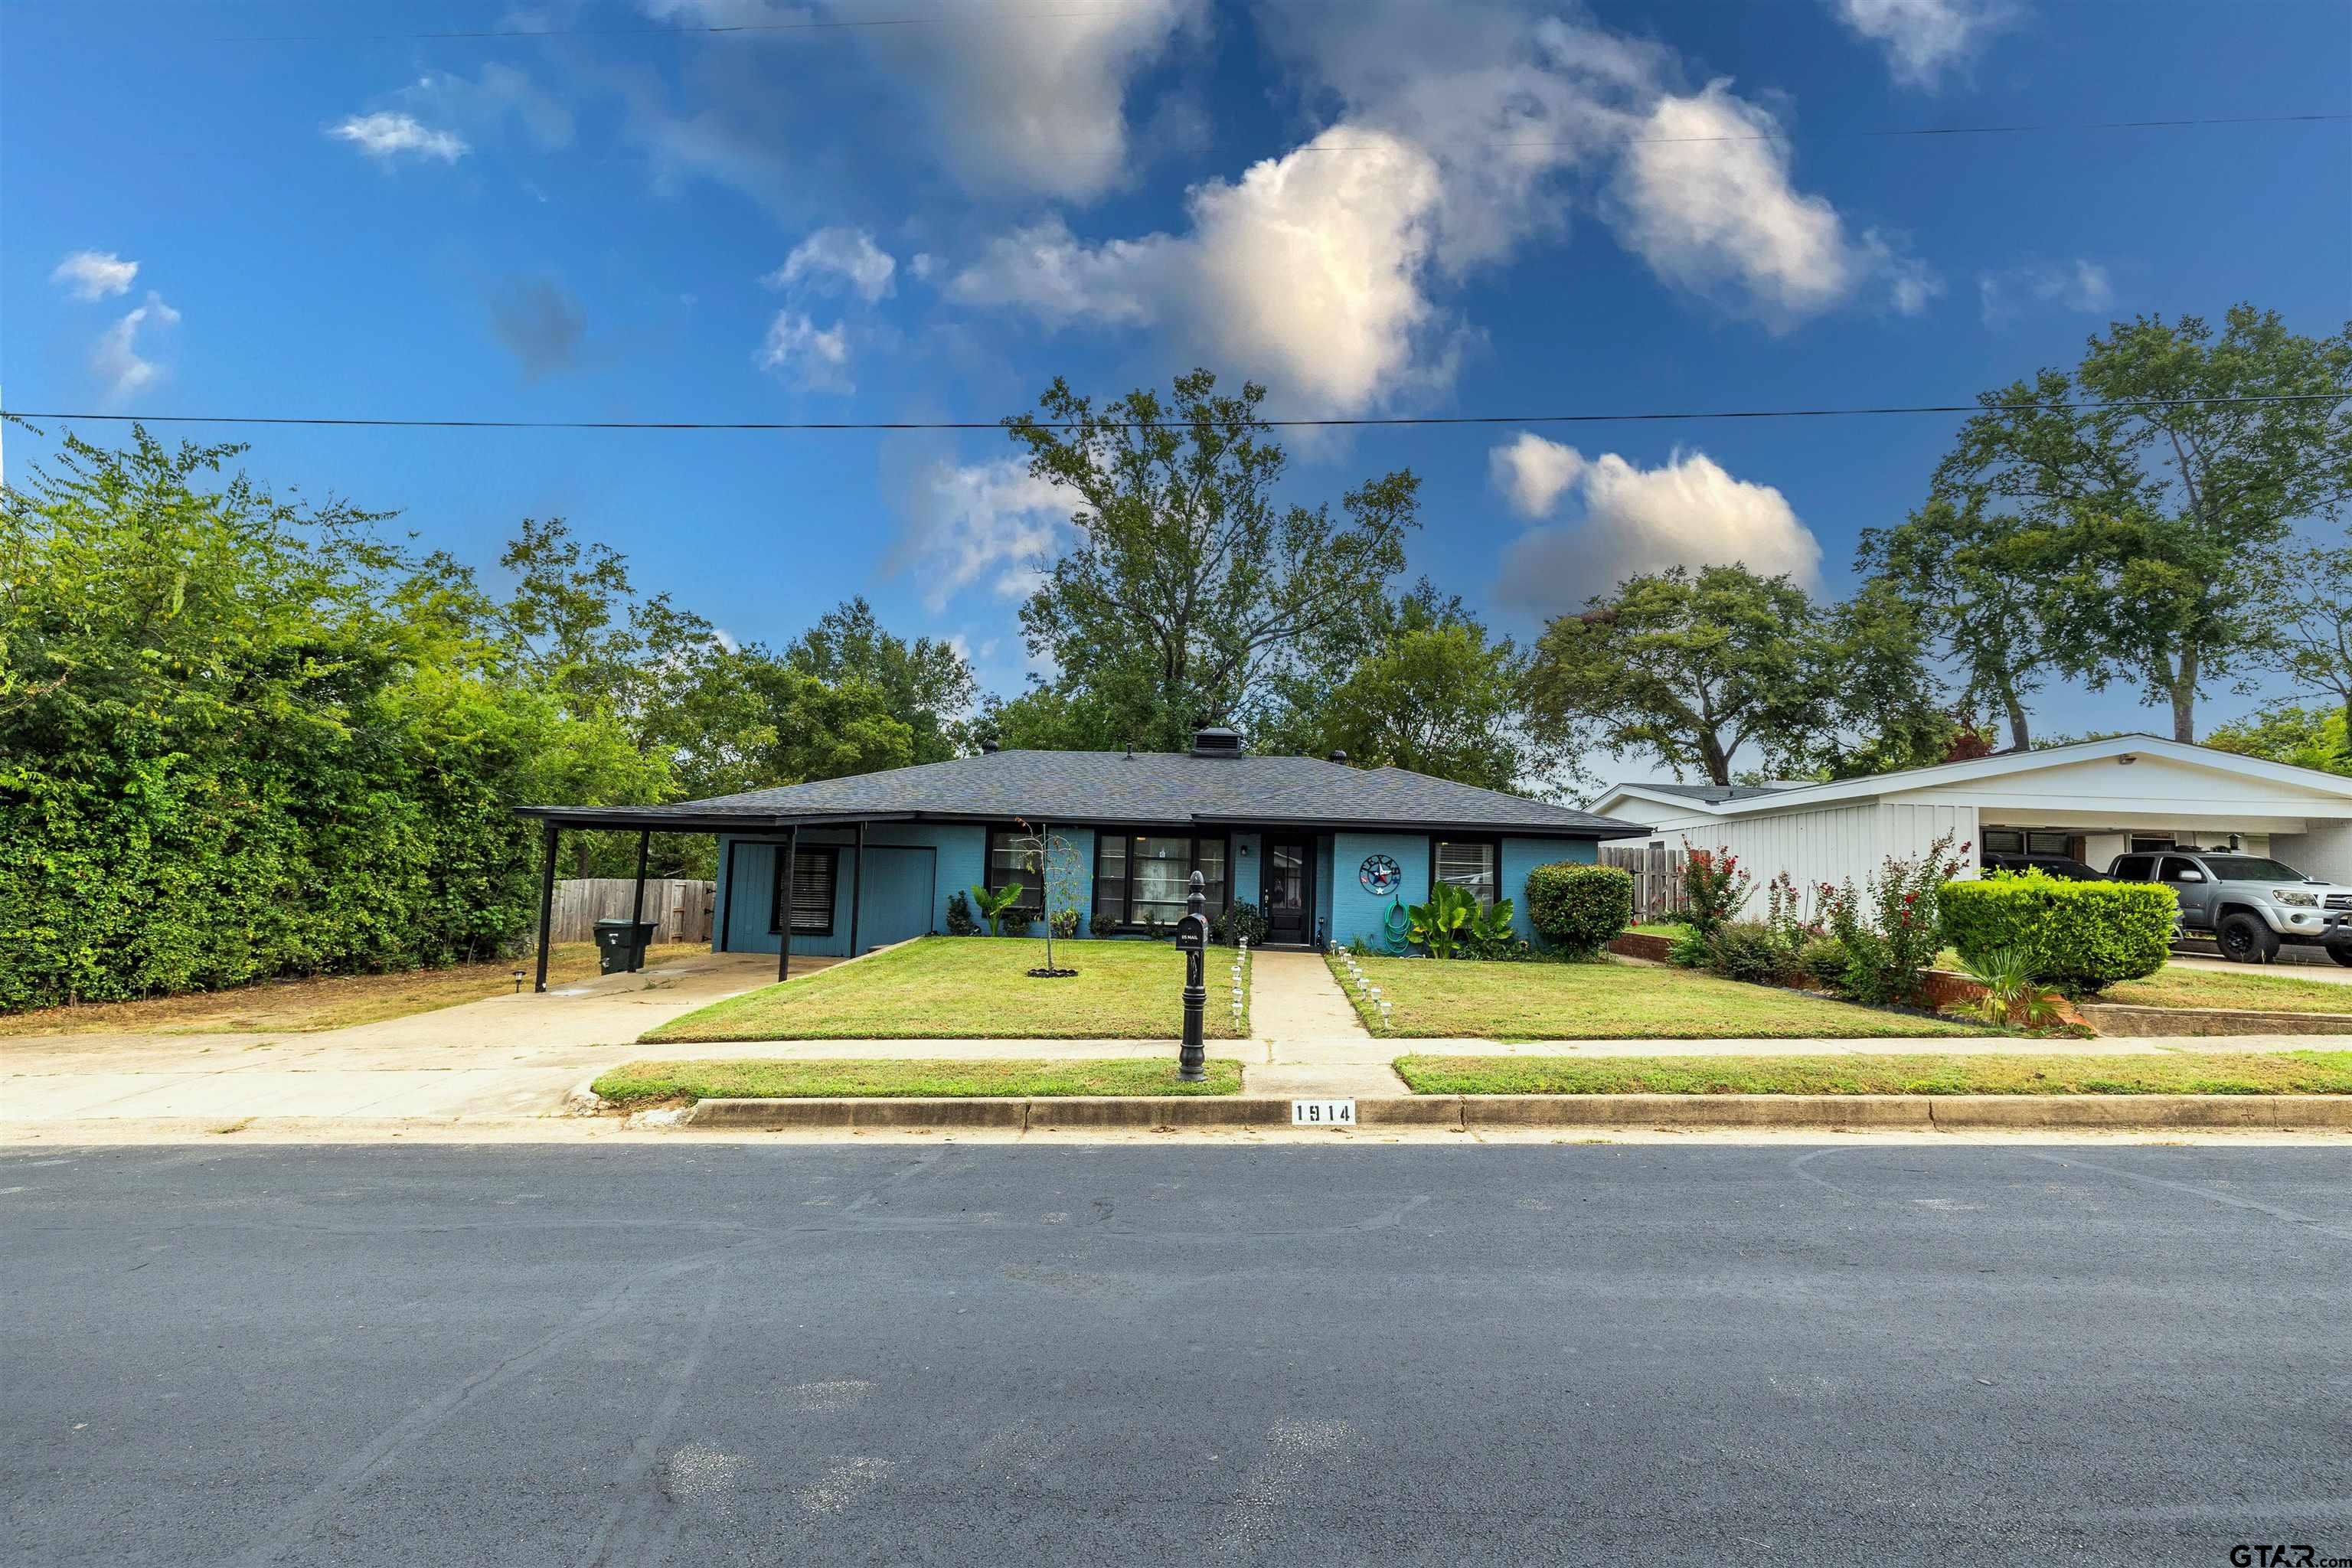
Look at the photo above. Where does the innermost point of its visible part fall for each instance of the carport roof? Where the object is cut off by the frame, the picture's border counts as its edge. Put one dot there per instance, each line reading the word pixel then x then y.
pixel 1144 788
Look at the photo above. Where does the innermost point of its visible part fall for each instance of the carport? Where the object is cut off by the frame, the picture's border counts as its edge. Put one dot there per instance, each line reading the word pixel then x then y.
pixel 740 830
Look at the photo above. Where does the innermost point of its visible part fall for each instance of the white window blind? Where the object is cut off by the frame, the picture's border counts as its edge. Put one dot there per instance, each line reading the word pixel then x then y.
pixel 1470 867
pixel 813 890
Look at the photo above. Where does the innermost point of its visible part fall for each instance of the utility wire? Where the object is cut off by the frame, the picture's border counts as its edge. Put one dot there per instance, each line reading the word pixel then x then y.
pixel 1367 420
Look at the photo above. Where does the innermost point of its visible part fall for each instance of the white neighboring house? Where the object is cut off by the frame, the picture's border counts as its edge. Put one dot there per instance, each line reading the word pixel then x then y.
pixel 2093 801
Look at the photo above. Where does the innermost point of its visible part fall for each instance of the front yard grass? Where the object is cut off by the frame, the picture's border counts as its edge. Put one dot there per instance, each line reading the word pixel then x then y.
pixel 976 988
pixel 638 1083
pixel 2174 986
pixel 2288 1072
pixel 322 1002
pixel 1607 1001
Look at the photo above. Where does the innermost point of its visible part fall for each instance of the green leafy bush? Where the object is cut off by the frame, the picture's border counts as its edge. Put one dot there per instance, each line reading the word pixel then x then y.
pixel 1103 923
pixel 1439 925
pixel 1016 922
pixel 1823 961
pixel 1889 947
pixel 1713 887
pixel 959 920
pixel 2077 936
pixel 1750 950
pixel 1579 909
pixel 1238 920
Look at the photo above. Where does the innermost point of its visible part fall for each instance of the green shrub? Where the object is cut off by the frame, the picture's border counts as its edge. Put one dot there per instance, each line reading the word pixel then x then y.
pixel 959 920
pixel 1103 923
pixel 1238 920
pixel 1690 950
pixel 1578 909
pixel 2077 936
pixel 1016 922
pixel 1823 961
pixel 1892 943
pixel 1750 950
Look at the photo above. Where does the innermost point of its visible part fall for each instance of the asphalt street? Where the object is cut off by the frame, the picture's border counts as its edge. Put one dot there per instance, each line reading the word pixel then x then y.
pixel 723 1353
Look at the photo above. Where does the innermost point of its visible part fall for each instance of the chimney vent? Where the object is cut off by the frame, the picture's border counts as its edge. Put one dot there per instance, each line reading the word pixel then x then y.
pixel 1216 741
pixel 987 748
pixel 1339 756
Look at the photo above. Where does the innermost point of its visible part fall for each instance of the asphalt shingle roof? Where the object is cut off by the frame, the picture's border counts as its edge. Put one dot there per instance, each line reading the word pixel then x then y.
pixel 1148 788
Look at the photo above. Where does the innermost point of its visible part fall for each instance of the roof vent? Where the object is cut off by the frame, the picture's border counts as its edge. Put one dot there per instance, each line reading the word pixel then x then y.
pixel 1339 756
pixel 1216 741
pixel 987 748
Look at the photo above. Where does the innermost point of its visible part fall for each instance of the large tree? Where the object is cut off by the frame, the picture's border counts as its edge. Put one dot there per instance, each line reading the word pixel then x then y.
pixel 2313 647
pixel 1975 582
pixel 2161 505
pixel 1434 692
pixel 1192 585
pixel 1691 665
pixel 926 682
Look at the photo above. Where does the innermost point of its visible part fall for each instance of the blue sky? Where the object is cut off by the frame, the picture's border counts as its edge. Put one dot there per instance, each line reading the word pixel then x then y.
pixel 1375 209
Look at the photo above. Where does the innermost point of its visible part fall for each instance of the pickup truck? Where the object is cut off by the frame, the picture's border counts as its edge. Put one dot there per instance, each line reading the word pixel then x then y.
pixel 2248 904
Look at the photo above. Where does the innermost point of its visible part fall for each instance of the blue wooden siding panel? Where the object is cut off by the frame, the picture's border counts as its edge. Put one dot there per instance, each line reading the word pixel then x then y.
pixel 1354 912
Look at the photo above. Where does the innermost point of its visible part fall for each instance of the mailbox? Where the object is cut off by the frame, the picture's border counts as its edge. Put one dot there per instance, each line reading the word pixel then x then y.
pixel 1192 934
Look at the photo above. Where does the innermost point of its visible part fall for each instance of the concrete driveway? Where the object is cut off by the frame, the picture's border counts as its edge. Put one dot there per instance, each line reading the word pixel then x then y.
pixel 507 1056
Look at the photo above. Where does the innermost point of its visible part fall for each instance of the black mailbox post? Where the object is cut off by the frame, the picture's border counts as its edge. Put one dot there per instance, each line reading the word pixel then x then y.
pixel 1192 937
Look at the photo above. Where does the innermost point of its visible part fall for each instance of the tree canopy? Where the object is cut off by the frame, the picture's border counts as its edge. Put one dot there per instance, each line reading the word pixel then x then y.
pixel 1192 586
pixel 2139 502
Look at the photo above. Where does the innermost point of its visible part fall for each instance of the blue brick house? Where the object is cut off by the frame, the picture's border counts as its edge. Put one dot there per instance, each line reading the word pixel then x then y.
pixel 1326 849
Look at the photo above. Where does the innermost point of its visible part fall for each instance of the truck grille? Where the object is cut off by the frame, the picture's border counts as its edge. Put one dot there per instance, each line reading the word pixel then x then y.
pixel 2338 901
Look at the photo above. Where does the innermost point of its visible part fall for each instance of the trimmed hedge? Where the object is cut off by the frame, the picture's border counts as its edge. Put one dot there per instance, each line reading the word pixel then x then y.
pixel 2078 936
pixel 1578 909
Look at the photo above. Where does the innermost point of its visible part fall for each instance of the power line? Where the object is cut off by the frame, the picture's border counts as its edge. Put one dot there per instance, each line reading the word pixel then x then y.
pixel 1385 421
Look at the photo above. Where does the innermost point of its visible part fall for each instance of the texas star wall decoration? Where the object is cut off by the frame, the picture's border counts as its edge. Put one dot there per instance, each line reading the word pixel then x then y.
pixel 1379 876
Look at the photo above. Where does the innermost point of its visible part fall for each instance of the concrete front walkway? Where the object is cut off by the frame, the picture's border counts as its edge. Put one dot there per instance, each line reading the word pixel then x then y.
pixel 1304 1038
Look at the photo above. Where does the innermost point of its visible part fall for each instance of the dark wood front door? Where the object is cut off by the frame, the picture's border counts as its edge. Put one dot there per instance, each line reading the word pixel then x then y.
pixel 1290 890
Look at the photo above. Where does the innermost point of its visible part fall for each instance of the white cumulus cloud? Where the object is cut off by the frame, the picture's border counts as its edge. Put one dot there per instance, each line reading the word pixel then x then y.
pixel 1464 134
pixel 116 360
pixel 1688 512
pixel 848 255
pixel 2077 285
pixel 389 134
pixel 990 523
pixel 1704 197
pixel 1923 38
pixel 812 357
pixel 94 274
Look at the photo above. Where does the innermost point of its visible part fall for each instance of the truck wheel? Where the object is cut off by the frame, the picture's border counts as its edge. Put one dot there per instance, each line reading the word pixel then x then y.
pixel 2245 939
pixel 2342 954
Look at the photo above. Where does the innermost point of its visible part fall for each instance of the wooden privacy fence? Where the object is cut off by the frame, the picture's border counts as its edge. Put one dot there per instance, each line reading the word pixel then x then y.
pixel 1657 873
pixel 677 908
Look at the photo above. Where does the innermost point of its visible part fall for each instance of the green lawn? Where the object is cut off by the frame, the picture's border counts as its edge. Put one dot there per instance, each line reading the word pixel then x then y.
pixel 637 1083
pixel 2291 1072
pixel 976 988
pixel 2173 987
pixel 1608 1002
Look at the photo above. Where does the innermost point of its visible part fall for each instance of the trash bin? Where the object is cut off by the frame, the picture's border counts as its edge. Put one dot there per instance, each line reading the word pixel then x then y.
pixel 621 945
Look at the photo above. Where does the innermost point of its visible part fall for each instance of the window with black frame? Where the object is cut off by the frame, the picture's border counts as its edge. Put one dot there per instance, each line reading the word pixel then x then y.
pixel 813 884
pixel 1009 866
pixel 1143 878
pixel 1473 865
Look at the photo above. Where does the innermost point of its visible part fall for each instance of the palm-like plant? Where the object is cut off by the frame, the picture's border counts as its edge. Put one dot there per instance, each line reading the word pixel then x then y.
pixel 2013 995
pixel 1438 924
pixel 991 906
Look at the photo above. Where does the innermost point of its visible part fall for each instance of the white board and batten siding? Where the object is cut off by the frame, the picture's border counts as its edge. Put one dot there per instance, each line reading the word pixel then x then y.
pixel 1831 844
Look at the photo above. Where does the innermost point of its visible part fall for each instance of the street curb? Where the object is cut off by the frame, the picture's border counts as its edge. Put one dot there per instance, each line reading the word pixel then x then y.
pixel 1830 1112
pixel 2209 1022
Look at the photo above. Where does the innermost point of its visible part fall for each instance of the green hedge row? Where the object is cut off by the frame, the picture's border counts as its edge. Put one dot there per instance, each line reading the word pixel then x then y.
pixel 2078 936
pixel 1578 909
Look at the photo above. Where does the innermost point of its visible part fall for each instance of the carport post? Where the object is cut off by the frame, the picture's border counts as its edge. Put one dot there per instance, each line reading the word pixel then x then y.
pixel 858 887
pixel 784 924
pixel 546 898
pixel 637 902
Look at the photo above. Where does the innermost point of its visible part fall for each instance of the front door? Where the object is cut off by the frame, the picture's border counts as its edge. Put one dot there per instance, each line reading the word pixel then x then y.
pixel 1290 890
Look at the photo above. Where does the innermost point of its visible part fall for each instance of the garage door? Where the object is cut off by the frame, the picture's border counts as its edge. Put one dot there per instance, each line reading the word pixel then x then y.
pixel 900 893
